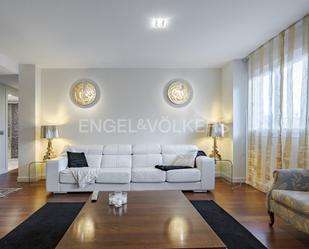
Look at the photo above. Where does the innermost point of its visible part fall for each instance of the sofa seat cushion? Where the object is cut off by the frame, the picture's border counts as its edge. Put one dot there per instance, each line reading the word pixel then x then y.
pixel 148 174
pixel 105 175
pixel 114 175
pixel 296 200
pixel 183 175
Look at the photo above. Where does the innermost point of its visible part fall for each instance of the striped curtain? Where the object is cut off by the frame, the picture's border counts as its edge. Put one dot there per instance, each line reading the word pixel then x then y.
pixel 278 106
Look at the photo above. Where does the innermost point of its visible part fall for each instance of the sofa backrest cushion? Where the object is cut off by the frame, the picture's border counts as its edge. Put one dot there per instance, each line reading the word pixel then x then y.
pixel 146 149
pixel 171 151
pixel 149 160
pixel 179 149
pixel 117 149
pixel 146 155
pixel 116 161
pixel 117 156
pixel 87 149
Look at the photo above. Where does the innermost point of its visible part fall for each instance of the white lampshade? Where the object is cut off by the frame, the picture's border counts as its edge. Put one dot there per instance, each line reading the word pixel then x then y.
pixel 215 130
pixel 49 131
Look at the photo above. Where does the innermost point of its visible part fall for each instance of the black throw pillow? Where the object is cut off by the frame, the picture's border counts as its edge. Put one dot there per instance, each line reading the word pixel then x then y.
pixel 172 167
pixel 199 153
pixel 77 160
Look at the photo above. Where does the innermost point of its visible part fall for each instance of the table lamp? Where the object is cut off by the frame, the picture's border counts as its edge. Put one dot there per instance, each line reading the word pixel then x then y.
pixel 215 130
pixel 49 132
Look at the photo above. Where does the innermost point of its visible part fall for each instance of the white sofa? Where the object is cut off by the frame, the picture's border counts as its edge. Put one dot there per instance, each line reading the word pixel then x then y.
pixel 127 167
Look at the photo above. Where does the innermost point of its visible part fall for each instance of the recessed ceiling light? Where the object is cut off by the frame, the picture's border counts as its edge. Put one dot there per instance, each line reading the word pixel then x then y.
pixel 159 23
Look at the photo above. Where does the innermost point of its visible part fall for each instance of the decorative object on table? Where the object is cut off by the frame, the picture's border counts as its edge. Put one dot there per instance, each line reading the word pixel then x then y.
pixel 4 192
pixel 117 199
pixel 179 92
pixel 85 93
pixel 118 211
pixel 49 132
pixel 215 130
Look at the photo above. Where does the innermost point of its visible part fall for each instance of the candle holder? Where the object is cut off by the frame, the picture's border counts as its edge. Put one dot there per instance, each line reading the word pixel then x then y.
pixel 117 199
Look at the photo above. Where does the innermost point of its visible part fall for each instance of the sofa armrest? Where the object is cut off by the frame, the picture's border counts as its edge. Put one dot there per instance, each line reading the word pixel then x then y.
pixel 53 167
pixel 208 172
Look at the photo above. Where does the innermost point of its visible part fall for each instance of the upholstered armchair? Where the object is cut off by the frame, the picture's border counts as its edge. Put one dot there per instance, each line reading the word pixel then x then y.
pixel 289 198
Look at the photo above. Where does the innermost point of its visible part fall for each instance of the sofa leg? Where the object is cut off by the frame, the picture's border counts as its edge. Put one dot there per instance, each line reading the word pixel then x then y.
pixel 272 218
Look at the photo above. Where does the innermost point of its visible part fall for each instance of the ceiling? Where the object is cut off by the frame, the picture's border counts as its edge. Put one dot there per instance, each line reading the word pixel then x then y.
pixel 9 80
pixel 117 33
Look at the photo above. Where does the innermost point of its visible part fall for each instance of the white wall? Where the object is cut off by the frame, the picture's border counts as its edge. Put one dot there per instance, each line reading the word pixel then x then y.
pixel 29 81
pixel 7 65
pixel 129 94
pixel 240 104
pixel 234 113
pixel 4 91
pixel 227 111
pixel 3 135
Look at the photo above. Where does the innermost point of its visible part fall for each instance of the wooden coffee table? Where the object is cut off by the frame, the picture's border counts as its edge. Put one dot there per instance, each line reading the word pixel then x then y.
pixel 151 219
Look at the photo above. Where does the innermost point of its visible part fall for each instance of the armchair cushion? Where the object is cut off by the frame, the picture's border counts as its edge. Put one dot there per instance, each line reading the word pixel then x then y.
pixel 291 179
pixel 296 200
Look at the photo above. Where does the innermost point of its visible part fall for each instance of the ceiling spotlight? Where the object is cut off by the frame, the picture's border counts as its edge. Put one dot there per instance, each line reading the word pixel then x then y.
pixel 159 23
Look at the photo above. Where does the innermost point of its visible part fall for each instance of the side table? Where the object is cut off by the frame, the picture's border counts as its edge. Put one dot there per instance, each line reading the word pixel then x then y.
pixel 232 167
pixel 34 163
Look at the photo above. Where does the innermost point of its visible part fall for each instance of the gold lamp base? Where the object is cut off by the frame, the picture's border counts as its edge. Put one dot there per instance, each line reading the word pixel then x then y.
pixel 215 153
pixel 50 154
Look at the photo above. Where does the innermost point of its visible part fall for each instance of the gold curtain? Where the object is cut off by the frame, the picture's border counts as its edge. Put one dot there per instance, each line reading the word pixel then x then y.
pixel 278 105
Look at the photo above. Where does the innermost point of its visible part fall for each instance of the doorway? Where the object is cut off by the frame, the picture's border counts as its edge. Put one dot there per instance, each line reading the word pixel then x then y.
pixel 12 125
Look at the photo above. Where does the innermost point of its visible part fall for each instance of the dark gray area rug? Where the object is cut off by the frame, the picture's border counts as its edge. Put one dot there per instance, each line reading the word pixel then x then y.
pixel 230 231
pixel 44 229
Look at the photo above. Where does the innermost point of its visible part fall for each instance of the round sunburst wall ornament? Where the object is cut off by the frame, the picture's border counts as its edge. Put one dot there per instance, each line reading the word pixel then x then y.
pixel 85 93
pixel 179 92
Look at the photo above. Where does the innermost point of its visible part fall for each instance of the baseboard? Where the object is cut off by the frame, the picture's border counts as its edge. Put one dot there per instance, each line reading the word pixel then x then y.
pixel 218 174
pixel 235 179
pixel 3 171
pixel 26 179
pixel 239 179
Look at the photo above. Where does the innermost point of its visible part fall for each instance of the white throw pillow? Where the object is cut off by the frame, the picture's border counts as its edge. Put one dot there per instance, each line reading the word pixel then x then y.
pixel 184 160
